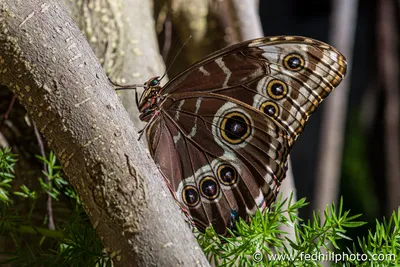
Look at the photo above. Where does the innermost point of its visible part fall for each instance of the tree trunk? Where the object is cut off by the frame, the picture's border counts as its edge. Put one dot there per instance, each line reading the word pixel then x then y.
pixel 52 70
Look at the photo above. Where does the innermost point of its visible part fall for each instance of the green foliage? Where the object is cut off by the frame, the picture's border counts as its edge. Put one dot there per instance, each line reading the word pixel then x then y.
pixel 263 243
pixel 383 245
pixel 7 163
pixel 357 183
pixel 53 175
pixel 75 243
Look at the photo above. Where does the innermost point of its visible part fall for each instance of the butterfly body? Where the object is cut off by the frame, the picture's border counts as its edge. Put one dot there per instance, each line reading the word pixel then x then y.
pixel 221 131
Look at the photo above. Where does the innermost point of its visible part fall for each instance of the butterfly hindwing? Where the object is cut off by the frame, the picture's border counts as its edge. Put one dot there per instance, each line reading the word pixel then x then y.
pixel 224 145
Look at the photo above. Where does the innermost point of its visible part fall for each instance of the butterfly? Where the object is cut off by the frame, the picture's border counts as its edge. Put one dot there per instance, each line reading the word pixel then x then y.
pixel 221 131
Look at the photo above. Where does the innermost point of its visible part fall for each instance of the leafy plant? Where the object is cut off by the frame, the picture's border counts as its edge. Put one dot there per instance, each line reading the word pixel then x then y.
pixel 261 242
pixel 75 243
pixel 7 163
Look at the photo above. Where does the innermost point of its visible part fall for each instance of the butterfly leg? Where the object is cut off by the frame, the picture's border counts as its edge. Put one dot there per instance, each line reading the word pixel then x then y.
pixel 148 124
pixel 119 87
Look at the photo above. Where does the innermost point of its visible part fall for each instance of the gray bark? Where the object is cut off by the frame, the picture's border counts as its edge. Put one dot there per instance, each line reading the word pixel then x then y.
pixel 247 19
pixel 122 35
pixel 48 64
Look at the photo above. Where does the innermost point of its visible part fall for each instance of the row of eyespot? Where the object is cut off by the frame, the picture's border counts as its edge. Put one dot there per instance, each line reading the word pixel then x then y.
pixel 208 186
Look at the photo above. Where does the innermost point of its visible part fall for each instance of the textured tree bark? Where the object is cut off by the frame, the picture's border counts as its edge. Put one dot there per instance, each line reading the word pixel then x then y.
pixel 122 35
pixel 48 64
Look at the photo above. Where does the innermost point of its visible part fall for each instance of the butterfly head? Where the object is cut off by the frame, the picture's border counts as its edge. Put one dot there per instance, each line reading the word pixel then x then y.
pixel 149 101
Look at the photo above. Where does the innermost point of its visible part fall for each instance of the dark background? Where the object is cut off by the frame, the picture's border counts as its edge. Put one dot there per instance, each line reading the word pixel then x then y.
pixel 363 167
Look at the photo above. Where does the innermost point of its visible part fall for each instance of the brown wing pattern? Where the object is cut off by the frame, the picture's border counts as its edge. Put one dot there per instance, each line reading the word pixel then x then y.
pixel 294 73
pixel 228 158
pixel 226 125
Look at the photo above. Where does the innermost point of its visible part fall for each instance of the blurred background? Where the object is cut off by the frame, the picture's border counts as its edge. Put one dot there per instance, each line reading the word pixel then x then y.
pixel 365 166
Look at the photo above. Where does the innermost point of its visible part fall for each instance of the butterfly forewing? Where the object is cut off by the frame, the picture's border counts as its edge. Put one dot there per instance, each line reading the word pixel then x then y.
pixel 223 132
pixel 261 67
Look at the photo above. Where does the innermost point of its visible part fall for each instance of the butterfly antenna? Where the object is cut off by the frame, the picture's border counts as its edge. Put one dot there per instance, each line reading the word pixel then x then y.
pixel 173 60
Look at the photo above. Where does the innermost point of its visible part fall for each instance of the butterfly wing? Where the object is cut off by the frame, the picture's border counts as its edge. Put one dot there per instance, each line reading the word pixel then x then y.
pixel 287 77
pixel 223 158
pixel 226 125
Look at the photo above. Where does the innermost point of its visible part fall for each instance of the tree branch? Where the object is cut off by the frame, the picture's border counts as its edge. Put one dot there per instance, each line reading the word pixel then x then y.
pixel 125 43
pixel 47 63
pixel 247 19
